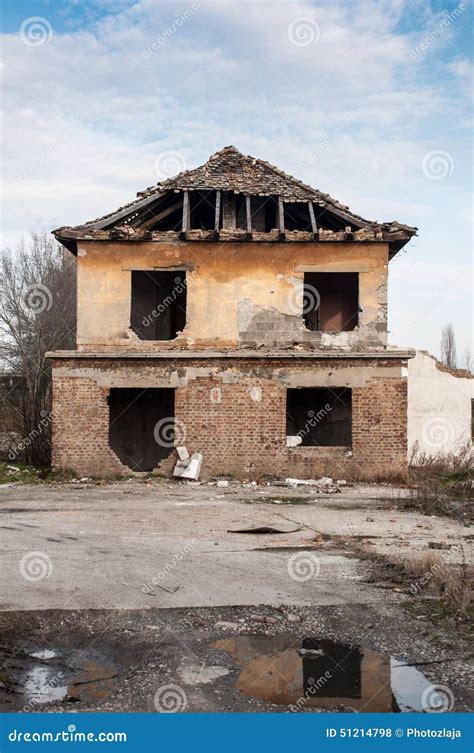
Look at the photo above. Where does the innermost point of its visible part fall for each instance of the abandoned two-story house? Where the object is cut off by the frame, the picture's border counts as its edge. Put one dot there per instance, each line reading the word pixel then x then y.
pixel 237 311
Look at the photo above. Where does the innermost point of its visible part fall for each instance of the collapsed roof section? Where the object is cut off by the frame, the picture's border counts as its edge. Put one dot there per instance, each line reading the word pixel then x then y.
pixel 234 197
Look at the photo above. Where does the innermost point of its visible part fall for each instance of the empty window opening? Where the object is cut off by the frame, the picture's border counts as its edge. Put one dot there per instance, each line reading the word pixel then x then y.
pixel 320 416
pixel 141 426
pixel 158 309
pixel 271 213
pixel 331 301
pixel 240 211
pixel 203 210
pixel 297 216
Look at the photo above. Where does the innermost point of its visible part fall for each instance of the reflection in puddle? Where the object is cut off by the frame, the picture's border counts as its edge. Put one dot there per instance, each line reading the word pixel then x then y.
pixel 40 686
pixel 305 673
pixel 49 676
pixel 44 654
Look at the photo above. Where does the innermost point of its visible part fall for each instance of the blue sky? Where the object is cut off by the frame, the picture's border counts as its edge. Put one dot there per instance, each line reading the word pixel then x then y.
pixel 368 101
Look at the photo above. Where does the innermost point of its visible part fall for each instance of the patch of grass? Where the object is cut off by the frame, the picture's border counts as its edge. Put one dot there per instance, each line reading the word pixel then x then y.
pixel 441 484
pixel 30 474
pixel 11 472
pixel 438 584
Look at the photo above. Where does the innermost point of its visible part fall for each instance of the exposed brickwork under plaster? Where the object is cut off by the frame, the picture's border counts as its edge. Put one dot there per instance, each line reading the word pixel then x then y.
pixel 234 412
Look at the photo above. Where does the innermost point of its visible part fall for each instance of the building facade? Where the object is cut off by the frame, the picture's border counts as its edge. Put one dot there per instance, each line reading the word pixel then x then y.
pixel 241 313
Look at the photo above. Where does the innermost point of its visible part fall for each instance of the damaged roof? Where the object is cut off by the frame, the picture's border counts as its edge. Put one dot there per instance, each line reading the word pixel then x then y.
pixel 228 170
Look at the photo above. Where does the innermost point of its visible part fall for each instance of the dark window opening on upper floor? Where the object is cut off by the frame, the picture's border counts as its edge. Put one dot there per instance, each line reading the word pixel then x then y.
pixel 203 210
pixel 331 301
pixel 158 309
pixel 320 416
pixel 297 216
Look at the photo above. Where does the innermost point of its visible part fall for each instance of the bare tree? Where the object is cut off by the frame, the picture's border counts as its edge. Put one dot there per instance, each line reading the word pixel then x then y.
pixel 466 360
pixel 37 314
pixel 448 345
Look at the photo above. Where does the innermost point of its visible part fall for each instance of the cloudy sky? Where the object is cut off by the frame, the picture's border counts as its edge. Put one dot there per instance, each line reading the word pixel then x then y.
pixel 368 101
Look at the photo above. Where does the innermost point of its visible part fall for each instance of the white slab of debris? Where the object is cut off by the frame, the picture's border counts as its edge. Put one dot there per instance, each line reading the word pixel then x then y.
pixel 321 482
pixel 293 441
pixel 183 454
pixel 190 468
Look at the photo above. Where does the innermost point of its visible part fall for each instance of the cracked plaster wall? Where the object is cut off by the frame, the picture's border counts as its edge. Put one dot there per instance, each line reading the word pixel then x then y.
pixel 237 293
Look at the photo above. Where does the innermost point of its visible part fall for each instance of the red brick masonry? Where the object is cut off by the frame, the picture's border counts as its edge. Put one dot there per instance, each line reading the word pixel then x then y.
pixel 241 427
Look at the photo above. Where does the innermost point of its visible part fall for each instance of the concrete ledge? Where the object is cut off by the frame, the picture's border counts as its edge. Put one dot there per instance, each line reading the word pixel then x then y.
pixel 206 354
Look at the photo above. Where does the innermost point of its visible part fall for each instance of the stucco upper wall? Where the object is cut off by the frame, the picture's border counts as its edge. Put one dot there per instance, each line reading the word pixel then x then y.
pixel 233 290
pixel 439 407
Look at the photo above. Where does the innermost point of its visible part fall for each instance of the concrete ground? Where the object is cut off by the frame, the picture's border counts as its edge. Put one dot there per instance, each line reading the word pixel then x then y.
pixel 101 546
pixel 165 551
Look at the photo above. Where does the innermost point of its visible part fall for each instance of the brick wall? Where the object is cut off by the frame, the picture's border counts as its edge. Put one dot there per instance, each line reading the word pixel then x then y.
pixel 238 422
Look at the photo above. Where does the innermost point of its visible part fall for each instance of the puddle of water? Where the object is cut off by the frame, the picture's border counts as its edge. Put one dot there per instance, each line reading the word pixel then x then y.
pixel 75 676
pixel 39 686
pixel 408 684
pixel 306 673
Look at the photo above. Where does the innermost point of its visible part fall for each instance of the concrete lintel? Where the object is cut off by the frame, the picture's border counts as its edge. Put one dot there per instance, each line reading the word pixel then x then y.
pixel 343 266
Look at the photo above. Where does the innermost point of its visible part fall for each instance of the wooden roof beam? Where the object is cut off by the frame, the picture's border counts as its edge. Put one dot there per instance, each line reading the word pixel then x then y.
pixel 281 219
pixel 312 218
pixel 186 223
pixel 248 217
pixel 217 214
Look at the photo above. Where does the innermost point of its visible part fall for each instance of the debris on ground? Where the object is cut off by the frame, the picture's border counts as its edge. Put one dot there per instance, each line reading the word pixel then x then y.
pixel 268 528
pixel 265 618
pixel 188 467
pixel 295 618
pixel 325 483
